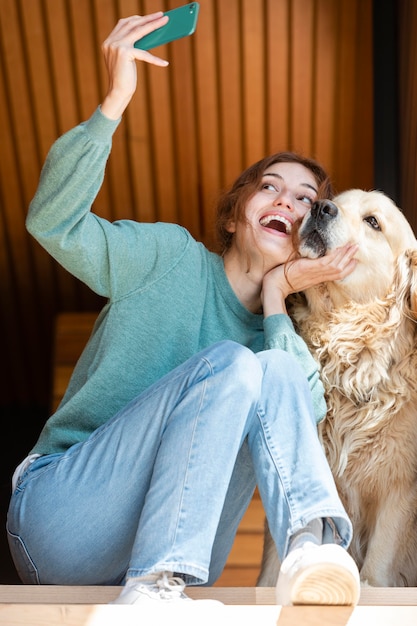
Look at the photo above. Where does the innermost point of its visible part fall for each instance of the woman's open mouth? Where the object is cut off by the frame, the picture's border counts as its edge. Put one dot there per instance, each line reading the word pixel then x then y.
pixel 276 222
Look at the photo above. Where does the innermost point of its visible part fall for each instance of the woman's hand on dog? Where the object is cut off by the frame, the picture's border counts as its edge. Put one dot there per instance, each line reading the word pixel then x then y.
pixel 300 274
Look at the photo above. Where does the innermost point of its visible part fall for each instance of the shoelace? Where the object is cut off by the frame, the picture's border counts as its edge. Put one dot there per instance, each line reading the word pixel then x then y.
pixel 170 587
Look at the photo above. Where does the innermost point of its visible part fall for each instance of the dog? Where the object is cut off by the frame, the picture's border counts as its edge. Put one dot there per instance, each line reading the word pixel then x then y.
pixel 362 332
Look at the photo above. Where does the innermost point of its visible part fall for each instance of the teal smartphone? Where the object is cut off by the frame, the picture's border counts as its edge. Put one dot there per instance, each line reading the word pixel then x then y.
pixel 182 22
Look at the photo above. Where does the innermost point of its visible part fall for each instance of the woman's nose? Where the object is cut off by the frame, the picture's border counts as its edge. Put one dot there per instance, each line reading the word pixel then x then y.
pixel 284 198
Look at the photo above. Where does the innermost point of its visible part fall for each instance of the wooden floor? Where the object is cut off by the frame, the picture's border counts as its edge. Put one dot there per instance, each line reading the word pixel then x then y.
pixel 87 606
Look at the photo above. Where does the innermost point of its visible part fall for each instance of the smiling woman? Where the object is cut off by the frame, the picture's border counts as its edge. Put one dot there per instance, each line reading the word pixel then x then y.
pixel 231 206
pixel 262 234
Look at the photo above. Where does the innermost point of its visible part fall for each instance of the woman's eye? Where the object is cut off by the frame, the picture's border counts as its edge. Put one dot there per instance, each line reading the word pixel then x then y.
pixel 269 187
pixel 373 222
pixel 306 200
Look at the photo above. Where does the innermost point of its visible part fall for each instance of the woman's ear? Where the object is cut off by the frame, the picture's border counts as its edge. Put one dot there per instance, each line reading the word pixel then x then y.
pixel 231 226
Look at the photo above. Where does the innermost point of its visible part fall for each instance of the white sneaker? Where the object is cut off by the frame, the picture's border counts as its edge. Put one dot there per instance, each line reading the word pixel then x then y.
pixel 162 588
pixel 325 575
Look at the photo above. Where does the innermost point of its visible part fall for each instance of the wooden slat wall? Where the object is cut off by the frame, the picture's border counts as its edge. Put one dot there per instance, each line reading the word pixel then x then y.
pixel 258 76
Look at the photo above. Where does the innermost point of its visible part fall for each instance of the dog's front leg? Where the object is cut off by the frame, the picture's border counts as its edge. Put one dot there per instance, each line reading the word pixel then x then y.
pixel 384 564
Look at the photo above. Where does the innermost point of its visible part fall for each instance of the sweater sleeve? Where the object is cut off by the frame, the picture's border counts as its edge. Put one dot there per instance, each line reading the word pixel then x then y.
pixel 280 333
pixel 59 215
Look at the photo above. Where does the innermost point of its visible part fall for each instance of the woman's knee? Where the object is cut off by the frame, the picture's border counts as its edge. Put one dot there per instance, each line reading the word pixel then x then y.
pixel 238 364
pixel 282 369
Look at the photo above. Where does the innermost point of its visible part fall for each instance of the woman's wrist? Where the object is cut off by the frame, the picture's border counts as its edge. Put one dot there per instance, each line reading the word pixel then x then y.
pixel 114 105
pixel 274 303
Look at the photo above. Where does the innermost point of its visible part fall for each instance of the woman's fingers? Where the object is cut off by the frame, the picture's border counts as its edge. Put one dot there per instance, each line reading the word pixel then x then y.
pixel 120 57
pixel 136 27
pixel 131 29
pixel 336 265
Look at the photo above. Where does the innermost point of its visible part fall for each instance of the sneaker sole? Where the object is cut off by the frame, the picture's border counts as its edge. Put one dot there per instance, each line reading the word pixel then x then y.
pixel 332 585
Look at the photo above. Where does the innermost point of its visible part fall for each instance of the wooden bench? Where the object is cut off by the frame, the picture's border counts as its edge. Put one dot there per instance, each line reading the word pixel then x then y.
pixel 70 336
pixel 87 606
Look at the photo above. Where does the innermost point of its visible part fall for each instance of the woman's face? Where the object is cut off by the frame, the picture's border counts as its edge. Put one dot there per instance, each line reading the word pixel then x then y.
pixel 286 193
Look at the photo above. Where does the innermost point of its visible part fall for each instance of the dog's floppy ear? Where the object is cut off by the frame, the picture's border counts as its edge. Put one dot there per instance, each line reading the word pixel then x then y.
pixel 413 286
pixel 405 282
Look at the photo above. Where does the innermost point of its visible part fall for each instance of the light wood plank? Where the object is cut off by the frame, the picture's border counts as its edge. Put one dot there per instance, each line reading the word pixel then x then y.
pixel 189 615
pixel 55 594
pixel 67 615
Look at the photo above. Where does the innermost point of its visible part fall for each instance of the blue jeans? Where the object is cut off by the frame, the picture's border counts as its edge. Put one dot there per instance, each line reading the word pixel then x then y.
pixel 164 484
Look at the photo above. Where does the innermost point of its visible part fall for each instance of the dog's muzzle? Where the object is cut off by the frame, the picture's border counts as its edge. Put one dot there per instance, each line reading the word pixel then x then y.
pixel 323 211
pixel 313 233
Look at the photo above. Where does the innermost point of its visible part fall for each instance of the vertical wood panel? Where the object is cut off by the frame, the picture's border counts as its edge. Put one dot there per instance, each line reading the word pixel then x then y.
pixel 229 40
pixel 206 85
pixel 345 91
pixel 362 124
pixel 161 121
pixel 42 131
pixel 184 117
pixel 278 71
pixel 253 57
pixel 137 134
pixel 19 174
pixel 120 199
pixel 325 82
pixel 302 67
pixel 61 66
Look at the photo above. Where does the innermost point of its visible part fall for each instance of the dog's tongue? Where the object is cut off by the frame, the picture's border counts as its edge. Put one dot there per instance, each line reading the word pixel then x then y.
pixel 277 225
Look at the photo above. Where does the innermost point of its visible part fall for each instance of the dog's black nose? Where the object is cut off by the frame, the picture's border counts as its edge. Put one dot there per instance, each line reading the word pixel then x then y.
pixel 324 210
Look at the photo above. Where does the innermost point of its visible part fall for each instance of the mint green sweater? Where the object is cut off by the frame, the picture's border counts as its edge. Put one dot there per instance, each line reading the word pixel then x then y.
pixel 167 296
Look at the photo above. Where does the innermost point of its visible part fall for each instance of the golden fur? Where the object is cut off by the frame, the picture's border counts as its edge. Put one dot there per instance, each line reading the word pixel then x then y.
pixel 362 332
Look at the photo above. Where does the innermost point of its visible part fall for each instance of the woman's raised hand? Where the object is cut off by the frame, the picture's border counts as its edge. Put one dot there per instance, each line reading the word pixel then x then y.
pixel 120 57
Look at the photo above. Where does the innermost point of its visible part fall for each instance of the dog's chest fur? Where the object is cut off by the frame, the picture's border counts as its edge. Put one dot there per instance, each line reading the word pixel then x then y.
pixel 368 364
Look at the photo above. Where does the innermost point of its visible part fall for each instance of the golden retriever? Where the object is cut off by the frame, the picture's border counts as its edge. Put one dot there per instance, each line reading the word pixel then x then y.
pixel 362 332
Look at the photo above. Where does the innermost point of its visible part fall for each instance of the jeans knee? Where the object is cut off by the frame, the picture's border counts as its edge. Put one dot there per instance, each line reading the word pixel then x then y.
pixel 283 367
pixel 239 365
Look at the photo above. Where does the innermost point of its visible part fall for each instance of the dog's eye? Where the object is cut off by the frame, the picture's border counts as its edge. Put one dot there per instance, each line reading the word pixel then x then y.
pixel 373 222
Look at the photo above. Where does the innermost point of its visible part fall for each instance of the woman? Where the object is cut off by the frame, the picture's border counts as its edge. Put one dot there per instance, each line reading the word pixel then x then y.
pixel 193 388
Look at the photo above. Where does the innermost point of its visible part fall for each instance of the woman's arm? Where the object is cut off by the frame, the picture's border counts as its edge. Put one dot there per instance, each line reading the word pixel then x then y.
pixel 59 215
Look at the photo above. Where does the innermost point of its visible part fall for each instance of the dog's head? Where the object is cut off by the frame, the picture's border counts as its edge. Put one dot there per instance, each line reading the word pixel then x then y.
pixel 376 224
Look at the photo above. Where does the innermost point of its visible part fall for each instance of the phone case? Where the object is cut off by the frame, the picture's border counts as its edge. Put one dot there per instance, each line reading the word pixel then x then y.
pixel 182 22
